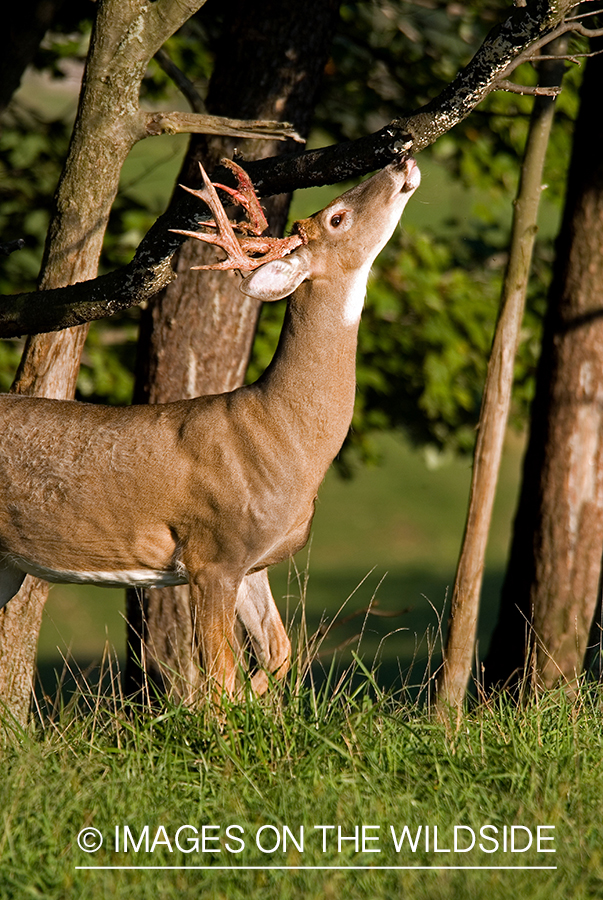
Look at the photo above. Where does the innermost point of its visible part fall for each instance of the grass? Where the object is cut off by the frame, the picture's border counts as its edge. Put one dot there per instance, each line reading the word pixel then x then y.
pixel 343 755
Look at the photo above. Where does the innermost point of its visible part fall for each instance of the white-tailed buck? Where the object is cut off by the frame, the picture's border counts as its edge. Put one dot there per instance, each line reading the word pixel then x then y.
pixel 212 490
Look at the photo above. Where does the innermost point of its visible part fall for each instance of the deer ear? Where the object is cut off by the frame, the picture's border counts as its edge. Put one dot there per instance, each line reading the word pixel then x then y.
pixel 279 278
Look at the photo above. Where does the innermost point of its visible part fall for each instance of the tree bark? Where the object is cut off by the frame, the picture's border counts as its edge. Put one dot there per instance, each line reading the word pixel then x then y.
pixel 196 336
pixel 552 582
pixel 459 651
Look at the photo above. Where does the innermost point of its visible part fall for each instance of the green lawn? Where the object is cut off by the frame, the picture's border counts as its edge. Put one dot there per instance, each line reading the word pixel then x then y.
pixel 297 791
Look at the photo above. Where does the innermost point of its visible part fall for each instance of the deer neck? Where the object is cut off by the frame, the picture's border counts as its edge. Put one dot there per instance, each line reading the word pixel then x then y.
pixel 312 378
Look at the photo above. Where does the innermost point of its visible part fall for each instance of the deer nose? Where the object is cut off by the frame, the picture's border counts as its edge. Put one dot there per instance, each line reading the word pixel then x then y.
pixel 413 175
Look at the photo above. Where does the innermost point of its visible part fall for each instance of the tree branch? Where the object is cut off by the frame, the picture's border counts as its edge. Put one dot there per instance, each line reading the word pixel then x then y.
pixel 506 46
pixel 535 90
pixel 58 308
pixel 184 84
pixel 10 246
pixel 154 123
pixel 464 607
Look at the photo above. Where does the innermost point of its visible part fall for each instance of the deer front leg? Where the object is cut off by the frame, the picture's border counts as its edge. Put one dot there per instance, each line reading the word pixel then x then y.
pixel 213 601
pixel 261 621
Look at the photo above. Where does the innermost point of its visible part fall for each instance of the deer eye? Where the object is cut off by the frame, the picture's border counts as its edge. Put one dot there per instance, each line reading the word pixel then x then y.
pixel 336 220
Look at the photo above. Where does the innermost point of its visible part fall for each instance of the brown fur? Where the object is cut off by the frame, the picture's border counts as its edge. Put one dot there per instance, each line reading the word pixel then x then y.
pixel 215 489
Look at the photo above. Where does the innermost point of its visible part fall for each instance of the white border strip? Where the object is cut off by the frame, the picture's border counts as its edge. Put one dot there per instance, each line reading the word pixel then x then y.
pixel 303 868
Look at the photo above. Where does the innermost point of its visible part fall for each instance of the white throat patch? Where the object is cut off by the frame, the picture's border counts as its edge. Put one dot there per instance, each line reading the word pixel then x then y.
pixel 354 301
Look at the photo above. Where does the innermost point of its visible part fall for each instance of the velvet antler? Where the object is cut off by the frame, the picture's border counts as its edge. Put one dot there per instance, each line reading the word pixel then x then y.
pixel 246 251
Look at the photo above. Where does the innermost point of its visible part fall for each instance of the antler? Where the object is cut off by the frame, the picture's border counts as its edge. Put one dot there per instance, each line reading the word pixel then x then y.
pixel 238 247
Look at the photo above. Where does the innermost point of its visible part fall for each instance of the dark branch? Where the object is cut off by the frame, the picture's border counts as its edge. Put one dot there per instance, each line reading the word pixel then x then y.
pixel 184 84
pixel 504 49
pixel 10 247
pixel 86 301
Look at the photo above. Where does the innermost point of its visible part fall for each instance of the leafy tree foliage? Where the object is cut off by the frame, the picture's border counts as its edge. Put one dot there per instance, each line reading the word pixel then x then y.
pixel 433 297
pixel 426 332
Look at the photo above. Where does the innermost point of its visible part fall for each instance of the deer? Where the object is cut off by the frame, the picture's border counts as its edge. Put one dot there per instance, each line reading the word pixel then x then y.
pixel 213 490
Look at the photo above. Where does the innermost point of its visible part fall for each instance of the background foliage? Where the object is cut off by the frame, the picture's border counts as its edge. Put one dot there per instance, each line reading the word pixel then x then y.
pixel 432 300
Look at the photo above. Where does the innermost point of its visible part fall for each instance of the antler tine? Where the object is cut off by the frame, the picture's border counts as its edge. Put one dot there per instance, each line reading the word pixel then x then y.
pixel 225 238
pixel 245 195
pixel 238 248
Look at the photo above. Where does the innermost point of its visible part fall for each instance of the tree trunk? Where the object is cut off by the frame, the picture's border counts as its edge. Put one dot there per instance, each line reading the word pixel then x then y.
pixel 551 588
pixel 104 132
pixel 462 627
pixel 196 336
